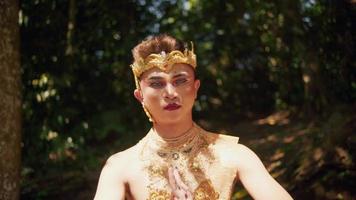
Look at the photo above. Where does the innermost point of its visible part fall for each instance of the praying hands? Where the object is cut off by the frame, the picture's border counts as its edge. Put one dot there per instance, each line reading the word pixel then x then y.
pixel 180 191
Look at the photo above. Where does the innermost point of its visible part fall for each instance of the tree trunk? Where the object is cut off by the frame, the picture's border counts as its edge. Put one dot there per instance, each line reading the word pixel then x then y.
pixel 10 101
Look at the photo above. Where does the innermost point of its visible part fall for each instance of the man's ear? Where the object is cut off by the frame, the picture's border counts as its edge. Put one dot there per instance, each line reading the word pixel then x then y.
pixel 138 95
pixel 196 86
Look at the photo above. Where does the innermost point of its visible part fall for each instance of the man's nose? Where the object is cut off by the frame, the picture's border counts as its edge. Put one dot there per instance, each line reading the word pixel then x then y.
pixel 170 91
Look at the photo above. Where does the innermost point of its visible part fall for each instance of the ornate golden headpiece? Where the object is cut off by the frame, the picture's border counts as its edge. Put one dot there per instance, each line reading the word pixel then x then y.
pixel 163 61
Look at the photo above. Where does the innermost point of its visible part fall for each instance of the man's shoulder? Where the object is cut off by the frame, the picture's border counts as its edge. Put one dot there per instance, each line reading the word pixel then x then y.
pixel 242 156
pixel 126 155
pixel 228 144
pixel 221 142
pixel 124 158
pixel 225 147
pixel 236 154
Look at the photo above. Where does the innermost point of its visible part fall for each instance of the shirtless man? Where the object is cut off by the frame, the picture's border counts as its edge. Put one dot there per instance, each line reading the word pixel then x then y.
pixel 177 159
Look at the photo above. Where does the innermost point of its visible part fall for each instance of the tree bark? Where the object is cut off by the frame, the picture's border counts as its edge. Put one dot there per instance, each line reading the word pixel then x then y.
pixel 10 101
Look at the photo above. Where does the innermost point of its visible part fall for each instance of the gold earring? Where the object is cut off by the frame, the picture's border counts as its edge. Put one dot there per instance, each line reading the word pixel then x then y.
pixel 147 113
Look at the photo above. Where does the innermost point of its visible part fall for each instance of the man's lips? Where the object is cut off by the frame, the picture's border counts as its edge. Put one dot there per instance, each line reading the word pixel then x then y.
pixel 172 106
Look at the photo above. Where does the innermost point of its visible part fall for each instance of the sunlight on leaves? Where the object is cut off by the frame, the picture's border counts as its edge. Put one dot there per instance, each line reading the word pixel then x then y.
pixel 52 135
pixel 278 118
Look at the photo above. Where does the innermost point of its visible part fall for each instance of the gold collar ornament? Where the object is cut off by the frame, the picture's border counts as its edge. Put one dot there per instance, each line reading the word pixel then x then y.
pixel 163 61
pixel 189 154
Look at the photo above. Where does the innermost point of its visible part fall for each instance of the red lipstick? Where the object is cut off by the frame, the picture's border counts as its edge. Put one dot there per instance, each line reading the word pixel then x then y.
pixel 172 106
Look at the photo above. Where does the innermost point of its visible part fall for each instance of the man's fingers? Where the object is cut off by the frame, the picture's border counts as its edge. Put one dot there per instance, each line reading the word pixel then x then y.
pixel 178 180
pixel 171 178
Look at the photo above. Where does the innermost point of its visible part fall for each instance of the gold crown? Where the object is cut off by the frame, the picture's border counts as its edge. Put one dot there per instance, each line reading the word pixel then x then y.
pixel 163 61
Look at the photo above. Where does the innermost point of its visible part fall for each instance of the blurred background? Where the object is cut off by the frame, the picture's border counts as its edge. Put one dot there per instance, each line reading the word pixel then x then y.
pixel 281 75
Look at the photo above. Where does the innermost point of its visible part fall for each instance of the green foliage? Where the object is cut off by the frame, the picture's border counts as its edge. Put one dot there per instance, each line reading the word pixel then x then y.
pixel 253 57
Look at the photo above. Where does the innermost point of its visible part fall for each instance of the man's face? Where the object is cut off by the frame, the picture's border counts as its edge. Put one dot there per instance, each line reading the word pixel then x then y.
pixel 168 96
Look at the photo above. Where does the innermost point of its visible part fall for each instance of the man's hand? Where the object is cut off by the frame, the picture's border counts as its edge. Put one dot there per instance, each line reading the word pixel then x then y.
pixel 180 190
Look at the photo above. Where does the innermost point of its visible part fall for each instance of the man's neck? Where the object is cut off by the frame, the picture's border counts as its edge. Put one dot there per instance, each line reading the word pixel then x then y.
pixel 173 130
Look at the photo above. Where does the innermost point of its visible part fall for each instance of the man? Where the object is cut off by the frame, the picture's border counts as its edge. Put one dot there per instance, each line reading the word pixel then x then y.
pixel 177 159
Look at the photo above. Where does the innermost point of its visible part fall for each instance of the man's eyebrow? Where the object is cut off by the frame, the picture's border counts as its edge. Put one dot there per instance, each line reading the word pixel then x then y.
pixel 155 78
pixel 180 75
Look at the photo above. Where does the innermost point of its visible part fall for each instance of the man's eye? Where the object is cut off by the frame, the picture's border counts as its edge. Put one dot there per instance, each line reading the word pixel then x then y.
pixel 180 81
pixel 156 84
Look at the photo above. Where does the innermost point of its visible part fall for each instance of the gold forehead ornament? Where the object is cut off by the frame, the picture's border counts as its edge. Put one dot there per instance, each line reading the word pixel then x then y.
pixel 163 61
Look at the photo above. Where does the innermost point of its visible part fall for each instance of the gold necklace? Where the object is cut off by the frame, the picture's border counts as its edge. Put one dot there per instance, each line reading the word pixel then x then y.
pixel 174 148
